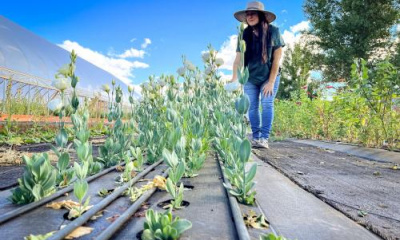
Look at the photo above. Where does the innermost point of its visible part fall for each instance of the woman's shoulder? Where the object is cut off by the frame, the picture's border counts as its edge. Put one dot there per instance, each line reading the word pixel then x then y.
pixel 274 28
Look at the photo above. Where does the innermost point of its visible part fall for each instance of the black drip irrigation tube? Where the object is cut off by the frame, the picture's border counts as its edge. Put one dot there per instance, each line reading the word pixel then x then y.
pixel 48 144
pixel 15 213
pixel 235 209
pixel 99 206
pixel 117 224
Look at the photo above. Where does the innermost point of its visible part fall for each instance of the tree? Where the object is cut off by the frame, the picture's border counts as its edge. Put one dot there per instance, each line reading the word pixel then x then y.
pixel 296 68
pixel 396 56
pixel 348 29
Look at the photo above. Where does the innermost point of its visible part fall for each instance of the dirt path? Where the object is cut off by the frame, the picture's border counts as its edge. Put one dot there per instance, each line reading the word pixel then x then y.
pixel 368 192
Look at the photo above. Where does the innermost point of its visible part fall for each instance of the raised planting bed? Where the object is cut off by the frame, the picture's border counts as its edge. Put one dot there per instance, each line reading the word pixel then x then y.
pixel 14 216
pixel 209 209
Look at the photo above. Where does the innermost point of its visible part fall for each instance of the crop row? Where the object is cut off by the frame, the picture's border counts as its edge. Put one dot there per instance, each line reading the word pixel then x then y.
pixel 180 123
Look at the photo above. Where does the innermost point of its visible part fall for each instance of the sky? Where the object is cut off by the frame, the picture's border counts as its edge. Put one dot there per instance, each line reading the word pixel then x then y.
pixel 133 39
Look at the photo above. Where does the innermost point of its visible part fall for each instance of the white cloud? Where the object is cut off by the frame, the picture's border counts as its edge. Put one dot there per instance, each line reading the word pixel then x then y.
pixel 290 38
pixel 293 36
pixel 228 52
pixel 304 25
pixel 121 68
pixel 132 53
pixel 137 64
pixel 133 39
pixel 284 11
pixel 146 43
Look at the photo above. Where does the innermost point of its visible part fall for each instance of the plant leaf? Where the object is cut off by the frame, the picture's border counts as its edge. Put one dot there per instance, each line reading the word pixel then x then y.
pixel 244 151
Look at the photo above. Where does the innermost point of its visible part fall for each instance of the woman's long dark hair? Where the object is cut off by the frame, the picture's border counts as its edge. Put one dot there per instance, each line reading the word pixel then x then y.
pixel 249 38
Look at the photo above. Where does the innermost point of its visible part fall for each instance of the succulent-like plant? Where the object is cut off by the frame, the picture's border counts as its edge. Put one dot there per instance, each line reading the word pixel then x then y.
pixel 81 142
pixel 195 158
pixel 37 182
pixel 64 174
pixel 176 171
pixel 242 184
pixel 118 142
pixel 163 226
pixel 81 188
pixel 139 159
pixel 272 236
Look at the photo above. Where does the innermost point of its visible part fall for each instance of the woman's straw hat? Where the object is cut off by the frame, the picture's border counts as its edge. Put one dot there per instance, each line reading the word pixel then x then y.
pixel 254 6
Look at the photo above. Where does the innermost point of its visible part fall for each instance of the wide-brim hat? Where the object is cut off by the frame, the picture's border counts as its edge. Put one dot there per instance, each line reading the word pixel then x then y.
pixel 254 6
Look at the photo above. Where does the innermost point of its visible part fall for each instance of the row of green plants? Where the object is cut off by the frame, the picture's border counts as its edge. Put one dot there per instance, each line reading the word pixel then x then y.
pixel 364 112
pixel 21 105
pixel 135 142
pixel 19 102
pixel 13 133
pixel 177 121
pixel 40 179
pixel 201 115
pixel 230 139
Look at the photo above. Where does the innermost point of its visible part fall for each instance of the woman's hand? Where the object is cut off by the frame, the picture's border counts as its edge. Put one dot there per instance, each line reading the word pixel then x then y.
pixel 232 80
pixel 268 89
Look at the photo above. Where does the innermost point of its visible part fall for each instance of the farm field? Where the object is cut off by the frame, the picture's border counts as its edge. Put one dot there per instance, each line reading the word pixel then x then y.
pixel 290 129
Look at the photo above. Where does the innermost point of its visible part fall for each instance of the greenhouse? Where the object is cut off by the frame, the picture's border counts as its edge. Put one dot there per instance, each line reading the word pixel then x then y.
pixel 28 64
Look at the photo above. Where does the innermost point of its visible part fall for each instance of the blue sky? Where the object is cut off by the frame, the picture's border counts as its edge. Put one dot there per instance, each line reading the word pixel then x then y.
pixel 112 34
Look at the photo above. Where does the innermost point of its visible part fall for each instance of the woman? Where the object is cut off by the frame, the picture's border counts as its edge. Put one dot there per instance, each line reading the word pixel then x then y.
pixel 263 53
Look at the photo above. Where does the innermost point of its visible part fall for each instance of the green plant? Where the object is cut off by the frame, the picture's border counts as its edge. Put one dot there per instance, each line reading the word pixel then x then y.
pixel 237 155
pixel 119 139
pixel 195 158
pixel 81 142
pixel 103 192
pixel 64 174
pixel 39 237
pixel 137 154
pixel 126 176
pixel 272 236
pixel 242 182
pixel 37 182
pixel 176 192
pixel 80 189
pixel 163 226
pixel 109 153
pixel 379 86
pixel 176 171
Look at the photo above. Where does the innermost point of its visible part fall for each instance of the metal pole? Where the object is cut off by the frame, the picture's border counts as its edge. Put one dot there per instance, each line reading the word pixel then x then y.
pixel 4 96
pixel 29 99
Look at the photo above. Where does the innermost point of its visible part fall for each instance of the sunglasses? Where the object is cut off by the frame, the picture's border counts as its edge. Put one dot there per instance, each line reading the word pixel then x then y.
pixel 251 13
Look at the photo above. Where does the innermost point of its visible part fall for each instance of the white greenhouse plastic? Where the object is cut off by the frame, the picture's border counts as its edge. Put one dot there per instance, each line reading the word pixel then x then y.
pixel 31 63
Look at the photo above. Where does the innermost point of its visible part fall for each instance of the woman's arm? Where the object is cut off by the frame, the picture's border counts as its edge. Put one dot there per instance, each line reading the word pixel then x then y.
pixel 269 86
pixel 235 66
pixel 275 65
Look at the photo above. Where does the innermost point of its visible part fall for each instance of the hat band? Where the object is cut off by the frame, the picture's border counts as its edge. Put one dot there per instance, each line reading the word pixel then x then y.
pixel 253 8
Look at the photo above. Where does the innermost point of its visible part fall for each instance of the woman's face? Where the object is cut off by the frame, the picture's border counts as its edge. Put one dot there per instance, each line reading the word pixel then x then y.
pixel 252 18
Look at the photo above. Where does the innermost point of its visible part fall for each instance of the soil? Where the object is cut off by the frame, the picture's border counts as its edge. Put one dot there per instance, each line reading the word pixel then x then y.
pixel 365 191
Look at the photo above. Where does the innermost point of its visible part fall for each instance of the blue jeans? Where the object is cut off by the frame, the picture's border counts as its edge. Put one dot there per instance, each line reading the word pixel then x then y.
pixel 261 130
